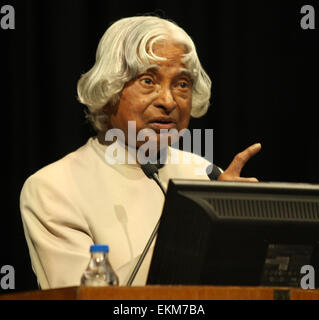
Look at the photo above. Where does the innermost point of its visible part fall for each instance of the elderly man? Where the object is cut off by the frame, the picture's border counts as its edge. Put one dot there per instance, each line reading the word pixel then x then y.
pixel 147 73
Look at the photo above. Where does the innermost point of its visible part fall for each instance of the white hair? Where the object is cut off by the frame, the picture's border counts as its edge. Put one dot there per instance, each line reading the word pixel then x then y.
pixel 125 51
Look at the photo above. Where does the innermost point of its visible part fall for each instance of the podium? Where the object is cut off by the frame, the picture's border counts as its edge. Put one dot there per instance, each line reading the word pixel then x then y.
pixel 167 293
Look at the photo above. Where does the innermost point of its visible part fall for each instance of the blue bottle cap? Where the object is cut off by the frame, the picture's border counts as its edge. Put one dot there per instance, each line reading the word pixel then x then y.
pixel 99 248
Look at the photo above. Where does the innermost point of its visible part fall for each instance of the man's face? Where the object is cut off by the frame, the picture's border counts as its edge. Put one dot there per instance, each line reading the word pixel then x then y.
pixel 159 98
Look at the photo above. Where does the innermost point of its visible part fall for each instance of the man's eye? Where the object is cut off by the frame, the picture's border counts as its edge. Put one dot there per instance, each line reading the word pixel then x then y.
pixel 147 81
pixel 183 84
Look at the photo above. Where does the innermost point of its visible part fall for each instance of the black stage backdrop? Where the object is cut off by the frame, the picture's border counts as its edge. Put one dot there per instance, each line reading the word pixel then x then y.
pixel 264 70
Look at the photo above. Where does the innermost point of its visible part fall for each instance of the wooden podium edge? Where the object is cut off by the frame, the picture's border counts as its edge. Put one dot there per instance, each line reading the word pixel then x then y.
pixel 167 293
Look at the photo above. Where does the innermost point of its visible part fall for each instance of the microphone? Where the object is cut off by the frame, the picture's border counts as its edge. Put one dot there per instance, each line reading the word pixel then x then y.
pixel 213 172
pixel 151 172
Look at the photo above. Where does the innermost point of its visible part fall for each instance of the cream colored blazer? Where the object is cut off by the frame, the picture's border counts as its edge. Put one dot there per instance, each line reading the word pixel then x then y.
pixel 82 199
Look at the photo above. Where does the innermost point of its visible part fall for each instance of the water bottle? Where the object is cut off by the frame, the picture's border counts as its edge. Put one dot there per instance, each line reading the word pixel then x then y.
pixel 99 272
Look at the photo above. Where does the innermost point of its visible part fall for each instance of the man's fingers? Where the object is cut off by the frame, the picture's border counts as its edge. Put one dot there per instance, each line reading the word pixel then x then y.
pixel 247 179
pixel 232 173
pixel 241 158
pixel 225 177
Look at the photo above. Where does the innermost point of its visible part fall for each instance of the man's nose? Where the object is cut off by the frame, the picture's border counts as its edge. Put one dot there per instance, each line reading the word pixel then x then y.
pixel 165 100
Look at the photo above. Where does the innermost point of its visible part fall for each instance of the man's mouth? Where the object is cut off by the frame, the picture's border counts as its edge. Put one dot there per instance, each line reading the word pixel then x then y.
pixel 162 123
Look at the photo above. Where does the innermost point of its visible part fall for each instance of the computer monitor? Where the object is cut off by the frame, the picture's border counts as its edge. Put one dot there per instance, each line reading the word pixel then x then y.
pixel 236 233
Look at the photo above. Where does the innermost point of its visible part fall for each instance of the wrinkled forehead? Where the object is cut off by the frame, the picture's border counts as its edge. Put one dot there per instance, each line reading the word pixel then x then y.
pixel 166 53
pixel 168 48
pixel 157 68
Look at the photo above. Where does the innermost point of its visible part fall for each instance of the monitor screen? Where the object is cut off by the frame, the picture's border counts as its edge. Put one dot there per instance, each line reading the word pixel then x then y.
pixel 236 233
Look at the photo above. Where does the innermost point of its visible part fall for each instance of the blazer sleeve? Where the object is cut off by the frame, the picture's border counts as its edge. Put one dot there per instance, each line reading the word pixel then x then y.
pixel 57 235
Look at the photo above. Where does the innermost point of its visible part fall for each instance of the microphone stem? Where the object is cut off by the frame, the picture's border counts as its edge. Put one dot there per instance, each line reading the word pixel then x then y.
pixel 157 180
pixel 150 240
pixel 141 259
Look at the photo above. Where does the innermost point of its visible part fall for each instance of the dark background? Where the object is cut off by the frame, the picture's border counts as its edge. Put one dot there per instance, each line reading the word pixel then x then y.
pixel 263 66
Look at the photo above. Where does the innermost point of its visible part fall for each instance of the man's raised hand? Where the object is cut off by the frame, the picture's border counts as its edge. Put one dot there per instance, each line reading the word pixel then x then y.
pixel 232 173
